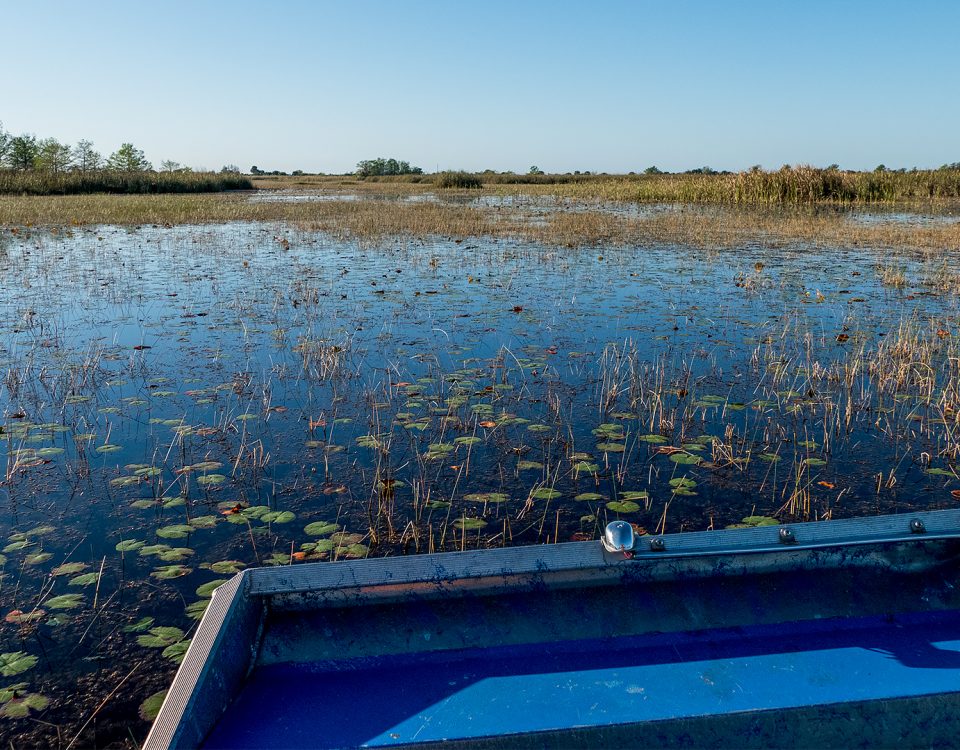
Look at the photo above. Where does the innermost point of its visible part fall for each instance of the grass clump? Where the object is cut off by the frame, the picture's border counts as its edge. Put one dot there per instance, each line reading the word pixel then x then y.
pixel 458 180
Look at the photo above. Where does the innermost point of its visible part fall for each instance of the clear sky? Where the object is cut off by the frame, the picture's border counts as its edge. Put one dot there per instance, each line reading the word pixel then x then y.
pixel 502 84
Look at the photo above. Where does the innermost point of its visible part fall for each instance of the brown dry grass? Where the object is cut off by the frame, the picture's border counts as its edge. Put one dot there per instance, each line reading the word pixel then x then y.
pixel 374 218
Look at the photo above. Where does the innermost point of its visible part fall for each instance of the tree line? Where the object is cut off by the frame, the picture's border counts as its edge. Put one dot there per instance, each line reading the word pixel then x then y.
pixel 26 153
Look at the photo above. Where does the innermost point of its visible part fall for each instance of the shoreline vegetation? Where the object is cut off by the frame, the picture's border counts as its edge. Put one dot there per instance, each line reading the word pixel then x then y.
pixel 370 213
pixel 37 183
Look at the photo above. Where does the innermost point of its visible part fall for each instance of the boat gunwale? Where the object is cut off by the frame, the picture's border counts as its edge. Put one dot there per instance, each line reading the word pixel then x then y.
pixel 504 569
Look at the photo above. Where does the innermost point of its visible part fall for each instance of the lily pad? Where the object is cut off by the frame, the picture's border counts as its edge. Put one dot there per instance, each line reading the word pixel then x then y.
pixel 320 528
pixel 206 590
pixel 65 601
pixel 108 448
pixel 469 524
pixel 610 447
pixel 225 566
pixel 685 459
pixel 209 479
pixel 176 651
pixel 85 580
pixel 140 626
pixel 589 496
pixel 282 516
pixel 20 706
pixel 150 708
pixel 623 506
pixel 16 662
pixel 175 531
pixel 161 637
pixel 165 572
pixel 68 569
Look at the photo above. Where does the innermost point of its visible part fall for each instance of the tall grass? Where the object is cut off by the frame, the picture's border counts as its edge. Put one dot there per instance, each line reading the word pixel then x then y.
pixel 81 183
pixel 461 179
pixel 787 186
pixel 801 185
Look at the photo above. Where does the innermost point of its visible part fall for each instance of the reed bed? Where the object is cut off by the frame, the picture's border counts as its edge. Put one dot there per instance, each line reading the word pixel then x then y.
pixel 105 181
pixel 788 186
pixel 370 219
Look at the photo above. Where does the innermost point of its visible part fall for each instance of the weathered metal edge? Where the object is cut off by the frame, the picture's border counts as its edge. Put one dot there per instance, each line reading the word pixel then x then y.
pixel 579 556
pixel 169 724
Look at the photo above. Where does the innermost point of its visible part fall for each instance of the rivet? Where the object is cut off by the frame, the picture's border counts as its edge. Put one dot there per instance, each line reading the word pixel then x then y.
pixel 786 536
pixel 657 545
pixel 917 527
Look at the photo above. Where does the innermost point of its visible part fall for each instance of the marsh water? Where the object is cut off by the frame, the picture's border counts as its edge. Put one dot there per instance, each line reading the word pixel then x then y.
pixel 179 403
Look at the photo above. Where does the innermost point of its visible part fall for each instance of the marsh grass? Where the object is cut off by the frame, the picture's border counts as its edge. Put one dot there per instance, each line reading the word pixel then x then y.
pixel 458 180
pixel 800 185
pixel 376 218
pixel 81 183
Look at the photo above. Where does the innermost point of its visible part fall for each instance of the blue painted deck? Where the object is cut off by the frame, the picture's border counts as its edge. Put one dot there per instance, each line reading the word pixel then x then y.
pixel 379 702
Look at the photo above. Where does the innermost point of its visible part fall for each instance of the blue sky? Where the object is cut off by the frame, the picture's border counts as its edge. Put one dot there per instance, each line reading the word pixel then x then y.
pixel 602 86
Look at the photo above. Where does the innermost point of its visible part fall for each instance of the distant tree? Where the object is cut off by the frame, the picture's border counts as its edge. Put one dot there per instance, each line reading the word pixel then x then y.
pixel 53 156
pixel 880 168
pixel 534 170
pixel 297 173
pixel 702 170
pixel 22 152
pixel 255 170
pixel 953 165
pixel 169 165
pixel 85 158
pixel 652 170
pixel 229 169
pixel 833 168
pixel 128 158
pixel 755 168
pixel 5 138
pixel 381 166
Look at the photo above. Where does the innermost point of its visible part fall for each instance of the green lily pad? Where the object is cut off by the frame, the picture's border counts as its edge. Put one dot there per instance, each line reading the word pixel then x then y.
pixel 161 637
pixel 320 528
pixel 610 447
pixel 282 516
pixel 683 482
pixel 175 531
pixel 469 524
pixel 150 708
pixel 209 479
pixel 165 572
pixel 68 569
pixel 634 495
pixel 196 609
pixel 16 662
pixel 175 554
pixel 143 504
pixel 37 558
pixel 486 497
pixel 589 496
pixel 64 601
pixel 653 438
pixel 176 651
pixel 623 506
pixel 529 465
pixel 936 472
pixel 225 566
pixel 760 521
pixel 85 580
pixel 585 467
pixel 140 626
pixel 545 493
pixel 124 481
pixel 19 707
pixel 206 590
pixel 49 452
pixel 685 459
pixel 108 448
pixel 203 522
